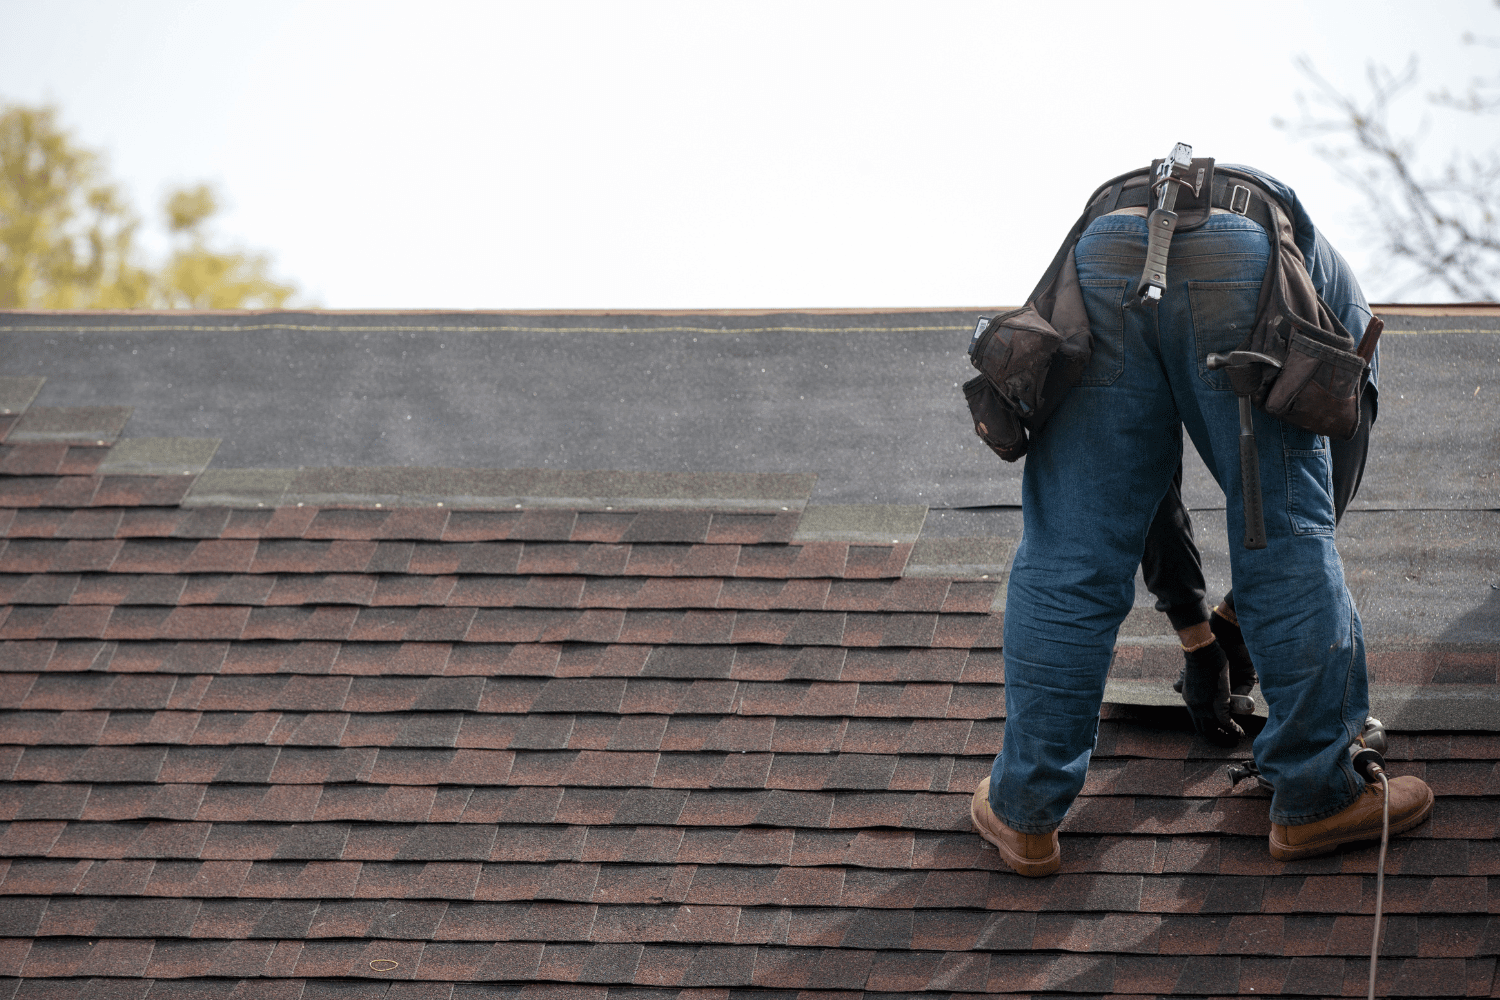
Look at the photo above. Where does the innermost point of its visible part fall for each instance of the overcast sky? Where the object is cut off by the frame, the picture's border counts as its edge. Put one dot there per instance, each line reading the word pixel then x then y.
pixel 578 155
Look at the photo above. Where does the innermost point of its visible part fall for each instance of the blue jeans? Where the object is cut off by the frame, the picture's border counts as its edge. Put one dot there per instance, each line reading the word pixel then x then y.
pixel 1092 481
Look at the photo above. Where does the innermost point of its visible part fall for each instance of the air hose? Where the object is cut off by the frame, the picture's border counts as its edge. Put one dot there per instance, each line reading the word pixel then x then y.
pixel 1369 762
pixel 1385 836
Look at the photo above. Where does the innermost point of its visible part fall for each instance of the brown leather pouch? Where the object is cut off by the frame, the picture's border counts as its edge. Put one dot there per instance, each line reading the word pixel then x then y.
pixel 1015 352
pixel 995 421
pixel 1318 388
pixel 1321 375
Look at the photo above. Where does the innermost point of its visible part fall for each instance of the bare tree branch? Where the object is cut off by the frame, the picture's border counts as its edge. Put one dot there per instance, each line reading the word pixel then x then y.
pixel 1431 231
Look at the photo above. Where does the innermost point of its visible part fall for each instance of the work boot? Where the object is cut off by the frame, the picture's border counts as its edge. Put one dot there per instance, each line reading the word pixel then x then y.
pixel 1030 854
pixel 1411 803
pixel 1242 677
pixel 1205 688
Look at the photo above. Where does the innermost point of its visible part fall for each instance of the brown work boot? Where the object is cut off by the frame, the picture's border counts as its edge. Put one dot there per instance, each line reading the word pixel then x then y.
pixel 1411 803
pixel 1031 854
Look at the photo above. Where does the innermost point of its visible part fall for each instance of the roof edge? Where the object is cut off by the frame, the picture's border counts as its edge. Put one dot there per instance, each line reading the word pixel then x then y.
pixel 1388 308
pixel 1436 308
pixel 821 311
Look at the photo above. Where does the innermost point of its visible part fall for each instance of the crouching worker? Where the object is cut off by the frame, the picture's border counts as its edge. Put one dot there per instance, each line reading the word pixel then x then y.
pixel 1180 298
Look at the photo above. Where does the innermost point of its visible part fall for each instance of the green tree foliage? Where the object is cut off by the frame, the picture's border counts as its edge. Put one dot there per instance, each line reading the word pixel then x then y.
pixel 68 240
pixel 199 277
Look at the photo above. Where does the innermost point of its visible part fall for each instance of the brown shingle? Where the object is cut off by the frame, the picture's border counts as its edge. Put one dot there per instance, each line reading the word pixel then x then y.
pixel 666 749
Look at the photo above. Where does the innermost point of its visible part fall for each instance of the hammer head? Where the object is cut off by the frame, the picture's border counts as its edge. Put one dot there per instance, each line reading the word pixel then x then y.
pixel 1235 359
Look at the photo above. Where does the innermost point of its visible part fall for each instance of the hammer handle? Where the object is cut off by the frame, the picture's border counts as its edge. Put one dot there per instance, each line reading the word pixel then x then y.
pixel 1255 518
pixel 1162 223
pixel 1367 343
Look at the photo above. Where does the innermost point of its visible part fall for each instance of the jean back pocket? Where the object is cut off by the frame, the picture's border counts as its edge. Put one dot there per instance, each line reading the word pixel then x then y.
pixel 1104 298
pixel 1223 316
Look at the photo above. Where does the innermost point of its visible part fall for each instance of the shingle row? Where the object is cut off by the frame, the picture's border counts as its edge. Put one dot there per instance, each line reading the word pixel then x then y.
pixel 757 663
pixel 507 695
pixel 847 770
pixel 93 491
pixel 467 805
pixel 949 928
pixel 723 806
pixel 769 966
pixel 398 523
pixel 1462 764
pixel 291 988
pixel 664 845
pixel 50 459
pixel 1106 815
pixel 1429 665
pixel 719 878
pixel 922 594
pixel 809 560
pixel 680 733
pixel 709 921
pixel 337 623
pixel 583 768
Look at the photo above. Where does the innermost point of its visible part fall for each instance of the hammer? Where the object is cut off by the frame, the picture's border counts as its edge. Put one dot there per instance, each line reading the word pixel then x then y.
pixel 1245 379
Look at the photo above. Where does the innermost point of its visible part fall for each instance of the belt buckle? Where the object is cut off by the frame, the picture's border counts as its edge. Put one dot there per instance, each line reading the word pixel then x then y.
pixel 1239 199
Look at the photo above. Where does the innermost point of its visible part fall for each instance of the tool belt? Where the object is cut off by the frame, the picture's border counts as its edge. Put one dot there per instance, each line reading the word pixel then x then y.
pixel 1029 358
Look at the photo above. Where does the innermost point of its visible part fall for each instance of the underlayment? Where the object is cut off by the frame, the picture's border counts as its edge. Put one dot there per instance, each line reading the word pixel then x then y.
pixel 868 401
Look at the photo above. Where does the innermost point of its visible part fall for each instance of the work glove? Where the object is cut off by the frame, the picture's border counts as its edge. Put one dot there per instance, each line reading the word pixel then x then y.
pixel 1242 677
pixel 1205 687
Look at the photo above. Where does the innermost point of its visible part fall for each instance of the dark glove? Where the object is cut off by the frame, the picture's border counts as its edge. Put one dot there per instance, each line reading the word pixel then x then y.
pixel 1242 677
pixel 1205 690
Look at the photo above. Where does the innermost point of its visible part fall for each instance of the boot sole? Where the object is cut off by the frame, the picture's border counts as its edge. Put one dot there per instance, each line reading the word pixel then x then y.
pixel 1281 852
pixel 1029 867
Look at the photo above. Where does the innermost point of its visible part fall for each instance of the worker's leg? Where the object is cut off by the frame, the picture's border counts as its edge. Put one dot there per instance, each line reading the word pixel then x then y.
pixel 1294 609
pixel 1348 459
pixel 1092 482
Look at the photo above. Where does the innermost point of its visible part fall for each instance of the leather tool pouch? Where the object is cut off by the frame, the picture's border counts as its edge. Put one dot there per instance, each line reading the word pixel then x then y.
pixel 1318 388
pixel 1029 357
pixel 996 422
pixel 1321 376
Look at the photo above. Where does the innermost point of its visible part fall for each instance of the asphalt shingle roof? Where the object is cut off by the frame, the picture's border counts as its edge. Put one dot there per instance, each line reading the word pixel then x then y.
pixel 579 735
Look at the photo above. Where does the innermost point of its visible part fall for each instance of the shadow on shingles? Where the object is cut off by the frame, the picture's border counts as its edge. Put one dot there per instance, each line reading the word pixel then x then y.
pixel 1171 718
pixel 1481 624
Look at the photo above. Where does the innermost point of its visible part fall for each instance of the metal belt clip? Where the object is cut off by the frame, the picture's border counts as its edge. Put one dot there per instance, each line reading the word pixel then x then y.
pixel 1162 222
pixel 1239 199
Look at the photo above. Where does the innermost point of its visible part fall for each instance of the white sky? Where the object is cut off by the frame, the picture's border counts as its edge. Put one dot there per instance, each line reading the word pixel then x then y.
pixel 705 154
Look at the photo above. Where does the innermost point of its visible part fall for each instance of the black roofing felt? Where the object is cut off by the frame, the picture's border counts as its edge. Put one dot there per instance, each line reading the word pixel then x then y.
pixel 865 400
pixel 666 686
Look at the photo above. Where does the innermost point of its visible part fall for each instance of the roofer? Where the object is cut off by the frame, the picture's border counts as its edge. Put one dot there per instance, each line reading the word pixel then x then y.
pixel 1158 322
